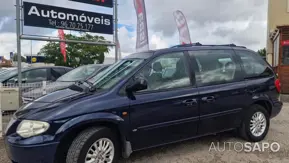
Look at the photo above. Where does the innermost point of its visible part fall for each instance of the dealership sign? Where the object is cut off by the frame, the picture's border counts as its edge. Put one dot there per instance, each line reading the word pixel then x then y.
pixel 38 15
pixel 105 3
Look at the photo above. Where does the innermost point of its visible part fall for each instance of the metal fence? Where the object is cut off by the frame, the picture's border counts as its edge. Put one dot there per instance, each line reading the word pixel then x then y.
pixel 9 101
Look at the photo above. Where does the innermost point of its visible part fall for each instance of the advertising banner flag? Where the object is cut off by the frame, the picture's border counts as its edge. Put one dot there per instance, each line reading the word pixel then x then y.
pixel 142 40
pixel 182 25
pixel 62 44
pixel 38 15
pixel 11 55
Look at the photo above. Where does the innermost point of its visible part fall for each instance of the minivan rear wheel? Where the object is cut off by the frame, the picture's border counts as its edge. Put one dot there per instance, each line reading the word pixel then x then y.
pixel 256 124
pixel 97 144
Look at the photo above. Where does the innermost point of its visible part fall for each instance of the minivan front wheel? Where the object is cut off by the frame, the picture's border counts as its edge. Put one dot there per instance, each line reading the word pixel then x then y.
pixel 256 123
pixel 94 145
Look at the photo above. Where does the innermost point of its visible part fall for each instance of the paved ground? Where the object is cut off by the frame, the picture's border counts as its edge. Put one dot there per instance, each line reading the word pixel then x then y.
pixel 198 150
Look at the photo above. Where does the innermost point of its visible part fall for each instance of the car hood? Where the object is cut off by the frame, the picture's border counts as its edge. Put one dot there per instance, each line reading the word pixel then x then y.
pixel 50 102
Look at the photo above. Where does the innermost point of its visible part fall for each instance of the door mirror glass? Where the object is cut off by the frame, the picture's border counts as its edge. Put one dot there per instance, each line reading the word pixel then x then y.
pixel 138 84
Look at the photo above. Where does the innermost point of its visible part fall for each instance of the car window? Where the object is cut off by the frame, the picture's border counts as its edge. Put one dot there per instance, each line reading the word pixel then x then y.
pixel 79 73
pixel 215 67
pixel 254 65
pixel 166 72
pixel 114 74
pixel 9 74
pixel 36 75
pixel 57 72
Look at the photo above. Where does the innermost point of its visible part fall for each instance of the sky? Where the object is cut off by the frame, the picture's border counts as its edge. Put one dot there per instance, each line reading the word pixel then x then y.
pixel 242 22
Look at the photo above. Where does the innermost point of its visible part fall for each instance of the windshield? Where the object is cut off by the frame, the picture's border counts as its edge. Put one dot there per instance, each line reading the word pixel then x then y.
pixel 115 73
pixel 80 73
pixel 2 71
pixel 8 74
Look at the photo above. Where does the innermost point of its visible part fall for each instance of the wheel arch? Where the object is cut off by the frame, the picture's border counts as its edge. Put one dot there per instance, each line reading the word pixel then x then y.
pixel 266 104
pixel 68 131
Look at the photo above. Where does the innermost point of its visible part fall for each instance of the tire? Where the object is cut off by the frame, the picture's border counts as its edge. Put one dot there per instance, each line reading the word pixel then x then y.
pixel 80 146
pixel 245 131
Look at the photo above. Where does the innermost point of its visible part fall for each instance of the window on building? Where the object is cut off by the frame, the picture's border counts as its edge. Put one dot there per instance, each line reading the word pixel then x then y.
pixel 287 5
pixel 285 54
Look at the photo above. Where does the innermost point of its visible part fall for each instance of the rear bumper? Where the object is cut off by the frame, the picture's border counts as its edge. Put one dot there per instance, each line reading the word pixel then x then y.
pixel 40 153
pixel 276 108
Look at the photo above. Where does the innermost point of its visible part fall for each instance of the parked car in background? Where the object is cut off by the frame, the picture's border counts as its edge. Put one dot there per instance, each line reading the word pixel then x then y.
pixel 78 74
pixel 33 77
pixel 4 70
pixel 149 99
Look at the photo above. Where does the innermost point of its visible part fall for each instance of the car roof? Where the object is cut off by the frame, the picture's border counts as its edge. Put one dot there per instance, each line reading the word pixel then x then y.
pixel 41 67
pixel 187 47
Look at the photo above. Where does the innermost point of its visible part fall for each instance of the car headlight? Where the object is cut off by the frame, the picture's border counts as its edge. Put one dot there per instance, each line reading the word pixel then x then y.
pixel 28 128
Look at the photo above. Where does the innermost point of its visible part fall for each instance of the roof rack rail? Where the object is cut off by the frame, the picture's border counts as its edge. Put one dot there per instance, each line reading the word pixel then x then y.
pixel 199 44
pixel 187 45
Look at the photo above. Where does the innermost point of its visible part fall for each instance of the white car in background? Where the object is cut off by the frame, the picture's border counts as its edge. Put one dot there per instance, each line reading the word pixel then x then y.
pixel 76 75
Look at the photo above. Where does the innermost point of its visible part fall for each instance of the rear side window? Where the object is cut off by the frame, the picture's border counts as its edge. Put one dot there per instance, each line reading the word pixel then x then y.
pixel 57 72
pixel 36 75
pixel 253 65
pixel 215 67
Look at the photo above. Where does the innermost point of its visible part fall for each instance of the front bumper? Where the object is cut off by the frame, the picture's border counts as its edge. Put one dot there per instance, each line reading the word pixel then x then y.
pixel 30 153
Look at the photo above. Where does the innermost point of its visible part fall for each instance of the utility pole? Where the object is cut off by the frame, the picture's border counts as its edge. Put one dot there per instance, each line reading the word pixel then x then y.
pixel 115 39
pixel 18 28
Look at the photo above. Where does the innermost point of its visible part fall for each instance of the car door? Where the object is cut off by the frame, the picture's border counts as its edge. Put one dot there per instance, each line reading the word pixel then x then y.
pixel 167 110
pixel 221 89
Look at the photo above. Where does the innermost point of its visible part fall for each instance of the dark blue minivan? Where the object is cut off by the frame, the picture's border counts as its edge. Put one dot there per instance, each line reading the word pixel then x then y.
pixel 146 100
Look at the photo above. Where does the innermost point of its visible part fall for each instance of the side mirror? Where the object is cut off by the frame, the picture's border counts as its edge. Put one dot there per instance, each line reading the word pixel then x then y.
pixel 138 84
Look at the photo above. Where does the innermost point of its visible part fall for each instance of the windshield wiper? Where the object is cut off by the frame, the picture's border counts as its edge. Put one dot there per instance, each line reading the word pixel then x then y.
pixel 88 84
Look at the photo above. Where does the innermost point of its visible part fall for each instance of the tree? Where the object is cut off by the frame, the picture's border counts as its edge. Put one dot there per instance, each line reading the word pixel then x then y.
pixel 76 54
pixel 262 52
pixel 15 58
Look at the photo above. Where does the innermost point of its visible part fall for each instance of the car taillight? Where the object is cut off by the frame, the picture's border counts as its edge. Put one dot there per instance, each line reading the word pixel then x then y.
pixel 278 85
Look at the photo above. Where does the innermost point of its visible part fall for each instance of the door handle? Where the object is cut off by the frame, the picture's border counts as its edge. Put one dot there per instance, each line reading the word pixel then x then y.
pixel 208 99
pixel 190 102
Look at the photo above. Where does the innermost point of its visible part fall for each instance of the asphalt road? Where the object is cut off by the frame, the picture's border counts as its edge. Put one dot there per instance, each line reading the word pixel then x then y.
pixel 206 150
